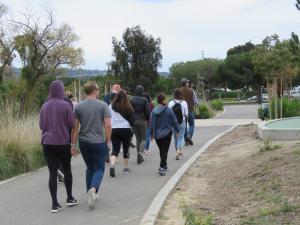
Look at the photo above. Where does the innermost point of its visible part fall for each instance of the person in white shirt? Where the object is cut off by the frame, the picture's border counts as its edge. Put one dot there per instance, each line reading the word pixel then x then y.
pixel 178 104
pixel 122 120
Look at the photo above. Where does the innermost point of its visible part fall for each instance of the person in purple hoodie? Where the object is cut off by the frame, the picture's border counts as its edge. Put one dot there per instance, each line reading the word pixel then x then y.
pixel 56 121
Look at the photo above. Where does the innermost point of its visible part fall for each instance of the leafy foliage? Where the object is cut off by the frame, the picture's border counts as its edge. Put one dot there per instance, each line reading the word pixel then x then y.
pixel 136 58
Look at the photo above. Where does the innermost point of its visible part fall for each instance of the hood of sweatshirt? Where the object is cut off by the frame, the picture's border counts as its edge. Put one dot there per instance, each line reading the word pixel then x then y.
pixel 56 90
pixel 159 109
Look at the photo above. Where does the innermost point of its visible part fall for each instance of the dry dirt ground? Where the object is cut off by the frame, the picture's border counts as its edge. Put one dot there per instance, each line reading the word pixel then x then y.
pixel 239 180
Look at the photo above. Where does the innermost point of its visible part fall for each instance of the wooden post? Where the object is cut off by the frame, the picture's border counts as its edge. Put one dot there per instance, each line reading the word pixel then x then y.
pixel 75 91
pixel 281 95
pixel 79 91
pixel 269 98
pixel 275 97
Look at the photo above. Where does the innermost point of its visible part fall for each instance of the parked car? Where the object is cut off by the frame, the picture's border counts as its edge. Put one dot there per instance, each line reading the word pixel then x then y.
pixel 253 98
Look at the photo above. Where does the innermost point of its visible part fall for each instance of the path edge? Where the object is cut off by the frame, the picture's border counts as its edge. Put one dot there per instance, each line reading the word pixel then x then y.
pixel 152 212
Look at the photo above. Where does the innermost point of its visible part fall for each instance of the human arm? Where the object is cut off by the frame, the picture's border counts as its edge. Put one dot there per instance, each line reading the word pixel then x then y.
pixel 151 125
pixel 195 98
pixel 74 135
pixel 108 129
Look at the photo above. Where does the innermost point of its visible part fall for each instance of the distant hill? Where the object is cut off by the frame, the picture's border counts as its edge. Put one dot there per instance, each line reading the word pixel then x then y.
pixel 82 72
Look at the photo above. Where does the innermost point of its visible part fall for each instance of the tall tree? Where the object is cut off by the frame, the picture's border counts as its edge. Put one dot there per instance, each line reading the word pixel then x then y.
pixel 237 71
pixel 6 44
pixel 43 46
pixel 136 58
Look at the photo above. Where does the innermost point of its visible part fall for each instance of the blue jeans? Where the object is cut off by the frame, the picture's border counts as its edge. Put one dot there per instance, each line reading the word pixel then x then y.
pixel 191 121
pixel 93 155
pixel 180 141
pixel 148 139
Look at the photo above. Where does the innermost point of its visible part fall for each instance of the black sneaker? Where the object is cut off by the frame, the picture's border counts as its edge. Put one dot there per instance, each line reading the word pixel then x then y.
pixel 61 177
pixel 162 171
pixel 112 172
pixel 55 208
pixel 187 143
pixel 189 140
pixel 126 170
pixel 140 158
pixel 71 202
pixel 131 145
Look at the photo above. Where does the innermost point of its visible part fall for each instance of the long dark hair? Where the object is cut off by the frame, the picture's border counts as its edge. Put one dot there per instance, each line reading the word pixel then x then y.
pixel 121 103
pixel 177 94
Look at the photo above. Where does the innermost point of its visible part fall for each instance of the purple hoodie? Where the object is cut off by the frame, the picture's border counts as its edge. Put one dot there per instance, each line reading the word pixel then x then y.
pixel 56 117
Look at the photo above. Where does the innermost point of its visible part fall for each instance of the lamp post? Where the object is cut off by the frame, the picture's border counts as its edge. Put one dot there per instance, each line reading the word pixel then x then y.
pixel 261 90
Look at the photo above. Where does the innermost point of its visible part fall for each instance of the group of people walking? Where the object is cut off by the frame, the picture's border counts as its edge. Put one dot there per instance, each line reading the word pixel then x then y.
pixel 100 126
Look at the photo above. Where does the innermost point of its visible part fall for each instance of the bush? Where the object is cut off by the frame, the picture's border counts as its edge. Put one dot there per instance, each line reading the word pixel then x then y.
pixel 203 112
pixel 216 105
pixel 20 148
pixel 233 94
pixel 289 108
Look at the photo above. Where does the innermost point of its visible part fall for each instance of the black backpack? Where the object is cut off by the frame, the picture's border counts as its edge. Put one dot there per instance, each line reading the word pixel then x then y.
pixel 178 112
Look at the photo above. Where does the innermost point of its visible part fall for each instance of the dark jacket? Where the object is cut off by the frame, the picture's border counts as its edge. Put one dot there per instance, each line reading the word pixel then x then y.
pixel 187 95
pixel 162 122
pixel 140 105
pixel 56 117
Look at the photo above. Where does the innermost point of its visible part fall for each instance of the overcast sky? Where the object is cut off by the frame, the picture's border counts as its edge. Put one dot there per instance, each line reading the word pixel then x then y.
pixel 186 27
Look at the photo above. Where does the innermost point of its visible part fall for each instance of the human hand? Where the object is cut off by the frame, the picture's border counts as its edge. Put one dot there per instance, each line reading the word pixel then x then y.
pixel 73 151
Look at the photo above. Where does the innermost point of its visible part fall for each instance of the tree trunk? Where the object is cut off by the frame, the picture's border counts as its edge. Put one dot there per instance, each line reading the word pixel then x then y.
pixel 281 95
pixel 275 98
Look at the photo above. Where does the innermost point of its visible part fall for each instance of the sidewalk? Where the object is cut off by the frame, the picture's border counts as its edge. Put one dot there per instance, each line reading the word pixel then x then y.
pixel 123 199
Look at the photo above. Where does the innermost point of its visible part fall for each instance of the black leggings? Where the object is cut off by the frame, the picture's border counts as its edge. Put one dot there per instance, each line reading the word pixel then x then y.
pixel 118 136
pixel 163 145
pixel 56 154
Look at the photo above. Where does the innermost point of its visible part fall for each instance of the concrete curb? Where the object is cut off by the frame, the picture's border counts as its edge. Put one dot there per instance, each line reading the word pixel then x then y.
pixel 224 110
pixel 151 214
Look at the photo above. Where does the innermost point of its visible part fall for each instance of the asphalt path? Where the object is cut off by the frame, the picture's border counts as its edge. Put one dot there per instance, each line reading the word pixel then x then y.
pixel 123 199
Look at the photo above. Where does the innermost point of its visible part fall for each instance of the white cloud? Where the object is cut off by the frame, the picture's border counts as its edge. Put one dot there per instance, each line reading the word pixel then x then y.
pixel 186 27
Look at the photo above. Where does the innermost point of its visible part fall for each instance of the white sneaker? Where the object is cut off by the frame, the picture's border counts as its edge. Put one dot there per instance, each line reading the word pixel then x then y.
pixel 91 199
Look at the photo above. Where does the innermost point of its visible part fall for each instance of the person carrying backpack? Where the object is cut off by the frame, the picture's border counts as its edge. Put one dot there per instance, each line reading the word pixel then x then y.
pixel 180 109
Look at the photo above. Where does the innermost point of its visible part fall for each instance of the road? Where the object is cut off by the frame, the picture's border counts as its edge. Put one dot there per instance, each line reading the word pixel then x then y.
pixel 123 199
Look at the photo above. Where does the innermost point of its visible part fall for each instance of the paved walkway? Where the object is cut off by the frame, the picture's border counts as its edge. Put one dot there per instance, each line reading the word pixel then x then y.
pixel 124 199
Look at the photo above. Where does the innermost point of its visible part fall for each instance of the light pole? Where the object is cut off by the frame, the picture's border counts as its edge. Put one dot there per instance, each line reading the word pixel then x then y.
pixel 261 90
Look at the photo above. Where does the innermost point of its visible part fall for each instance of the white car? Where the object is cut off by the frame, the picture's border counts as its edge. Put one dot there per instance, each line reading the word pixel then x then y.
pixel 253 98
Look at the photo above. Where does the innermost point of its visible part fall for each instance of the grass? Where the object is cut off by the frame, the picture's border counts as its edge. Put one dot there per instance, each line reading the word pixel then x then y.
pixel 192 217
pixel 20 149
pixel 268 146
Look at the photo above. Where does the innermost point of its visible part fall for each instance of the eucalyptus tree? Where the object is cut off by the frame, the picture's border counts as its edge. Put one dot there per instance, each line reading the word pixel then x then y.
pixel 136 58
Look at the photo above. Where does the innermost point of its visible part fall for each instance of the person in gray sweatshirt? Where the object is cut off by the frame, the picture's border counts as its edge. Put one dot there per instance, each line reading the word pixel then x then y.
pixel 162 122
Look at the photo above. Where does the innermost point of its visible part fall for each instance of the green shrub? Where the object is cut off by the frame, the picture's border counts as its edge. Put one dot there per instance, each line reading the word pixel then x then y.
pixel 203 112
pixel 7 169
pixel 216 105
pixel 20 148
pixel 290 108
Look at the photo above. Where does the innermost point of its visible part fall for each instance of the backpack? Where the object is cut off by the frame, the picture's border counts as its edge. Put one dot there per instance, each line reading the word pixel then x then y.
pixel 178 112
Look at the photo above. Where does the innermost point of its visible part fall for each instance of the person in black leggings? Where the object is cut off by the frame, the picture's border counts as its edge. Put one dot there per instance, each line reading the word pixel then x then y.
pixel 56 120
pixel 122 121
pixel 162 122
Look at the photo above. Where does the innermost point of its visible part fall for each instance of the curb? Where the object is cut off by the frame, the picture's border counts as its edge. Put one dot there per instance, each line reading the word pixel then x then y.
pixel 224 111
pixel 151 214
